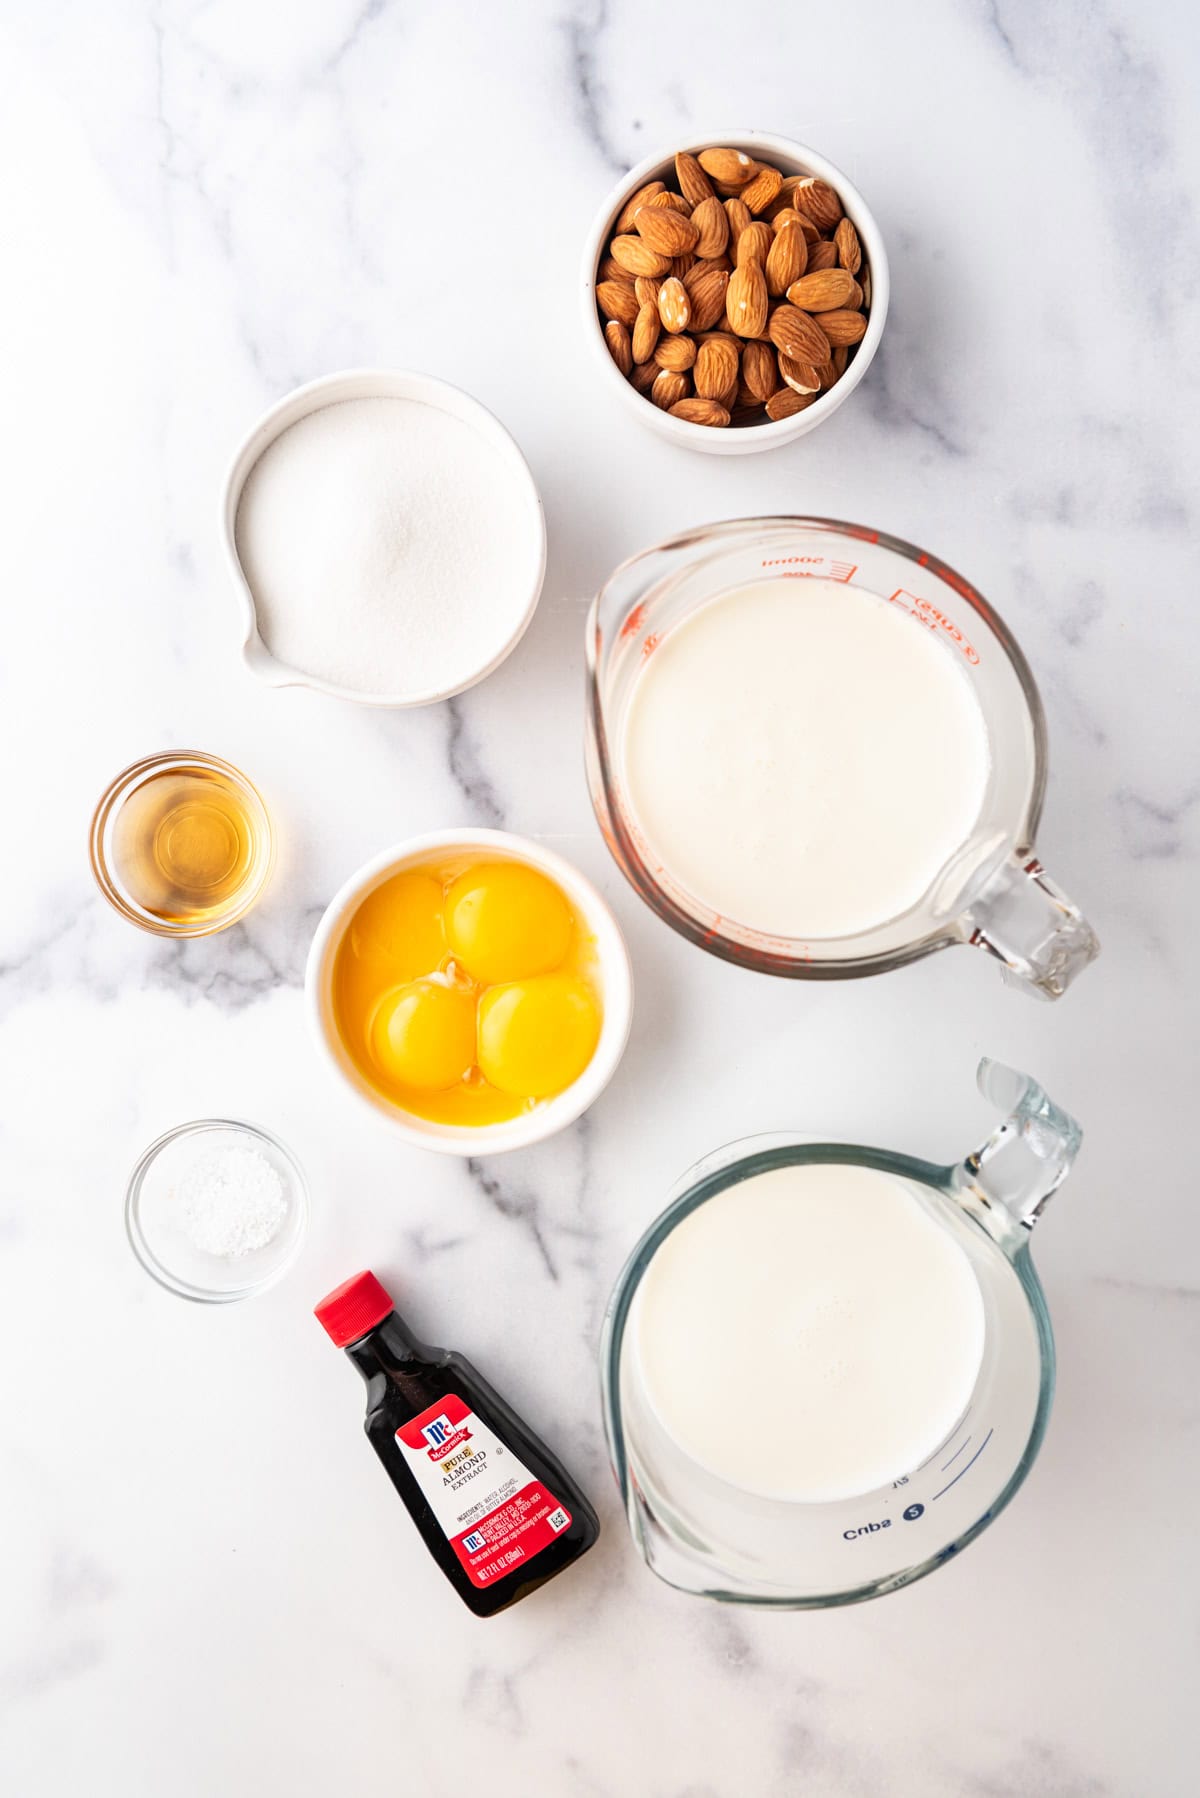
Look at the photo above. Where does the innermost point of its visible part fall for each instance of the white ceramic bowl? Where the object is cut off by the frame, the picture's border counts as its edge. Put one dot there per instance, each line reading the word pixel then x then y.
pixel 615 976
pixel 793 159
pixel 377 383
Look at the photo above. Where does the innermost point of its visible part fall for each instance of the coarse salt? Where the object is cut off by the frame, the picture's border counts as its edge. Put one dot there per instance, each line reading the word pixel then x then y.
pixel 390 548
pixel 231 1202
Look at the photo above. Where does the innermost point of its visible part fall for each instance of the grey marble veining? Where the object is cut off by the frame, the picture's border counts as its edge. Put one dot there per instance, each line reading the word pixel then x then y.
pixel 208 1585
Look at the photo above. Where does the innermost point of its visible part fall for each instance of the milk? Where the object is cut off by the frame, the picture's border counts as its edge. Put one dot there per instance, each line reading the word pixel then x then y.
pixel 810 1334
pixel 804 758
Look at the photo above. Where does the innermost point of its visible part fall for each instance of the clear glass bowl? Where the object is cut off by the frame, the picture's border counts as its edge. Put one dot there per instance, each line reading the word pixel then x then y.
pixel 155 1228
pixel 106 863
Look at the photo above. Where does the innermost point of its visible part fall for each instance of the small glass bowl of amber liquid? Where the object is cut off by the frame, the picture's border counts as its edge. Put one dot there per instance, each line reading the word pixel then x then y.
pixel 181 844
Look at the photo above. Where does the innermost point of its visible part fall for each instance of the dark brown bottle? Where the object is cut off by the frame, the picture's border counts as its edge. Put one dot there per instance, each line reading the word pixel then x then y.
pixel 499 1513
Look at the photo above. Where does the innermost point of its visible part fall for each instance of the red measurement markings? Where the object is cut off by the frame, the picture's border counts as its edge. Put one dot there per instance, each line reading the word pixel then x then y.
pixel 933 620
pixel 634 622
pixel 825 566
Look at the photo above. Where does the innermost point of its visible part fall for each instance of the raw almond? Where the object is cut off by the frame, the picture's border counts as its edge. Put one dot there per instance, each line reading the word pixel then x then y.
pixel 676 353
pixel 759 371
pixel 732 168
pixel 826 291
pixel 827 373
pixel 637 257
pixel 738 214
pixel 821 255
pixel 700 412
pixel 818 200
pixel 754 243
pixel 674 305
pixel 716 368
pixel 789 216
pixel 681 264
pixel 763 189
pixel 784 403
pixel 848 247
pixel 713 225
pixel 839 360
pixel 675 201
pixel 628 212
pixel 746 300
pixel 645 332
pixel 669 232
pixel 616 336
pixel 646 289
pixel 787 258
pixel 616 299
pixel 745 401
pixel 644 375
pixel 783 198
pixel 694 184
pixel 843 327
pixel 801 377
pixel 610 270
pixel 798 335
pixel 707 287
pixel 669 388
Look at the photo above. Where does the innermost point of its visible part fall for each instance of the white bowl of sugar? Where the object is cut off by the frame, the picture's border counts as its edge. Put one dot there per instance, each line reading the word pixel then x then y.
pixel 385 538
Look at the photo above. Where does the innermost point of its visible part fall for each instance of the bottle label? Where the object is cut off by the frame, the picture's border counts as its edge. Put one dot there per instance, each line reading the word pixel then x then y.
pixel 495 1515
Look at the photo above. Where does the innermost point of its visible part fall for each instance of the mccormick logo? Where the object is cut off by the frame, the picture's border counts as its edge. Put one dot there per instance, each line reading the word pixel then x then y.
pixel 442 1436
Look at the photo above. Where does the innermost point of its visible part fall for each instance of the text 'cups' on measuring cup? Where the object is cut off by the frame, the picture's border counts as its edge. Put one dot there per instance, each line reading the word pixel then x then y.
pixel 990 890
pixel 732 1531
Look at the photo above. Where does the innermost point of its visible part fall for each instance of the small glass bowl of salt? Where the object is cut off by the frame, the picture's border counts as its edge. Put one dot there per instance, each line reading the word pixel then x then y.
pixel 216 1210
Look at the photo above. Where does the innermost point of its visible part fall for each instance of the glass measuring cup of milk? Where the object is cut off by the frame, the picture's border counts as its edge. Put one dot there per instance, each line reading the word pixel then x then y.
pixel 983 885
pixel 711 1513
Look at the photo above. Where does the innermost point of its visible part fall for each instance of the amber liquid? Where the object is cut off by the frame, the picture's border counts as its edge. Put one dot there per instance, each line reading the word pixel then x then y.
pixel 184 844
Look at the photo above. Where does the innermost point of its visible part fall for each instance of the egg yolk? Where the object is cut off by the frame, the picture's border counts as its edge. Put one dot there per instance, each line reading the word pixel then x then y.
pixel 423 1034
pixel 505 921
pixel 537 1036
pixel 397 931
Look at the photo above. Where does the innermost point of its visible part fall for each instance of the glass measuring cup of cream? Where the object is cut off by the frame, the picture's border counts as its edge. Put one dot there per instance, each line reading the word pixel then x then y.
pixel 827 1368
pixel 816 750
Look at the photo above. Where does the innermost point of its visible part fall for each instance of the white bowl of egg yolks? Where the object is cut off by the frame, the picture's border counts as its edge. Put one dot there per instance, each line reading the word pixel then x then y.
pixel 528 974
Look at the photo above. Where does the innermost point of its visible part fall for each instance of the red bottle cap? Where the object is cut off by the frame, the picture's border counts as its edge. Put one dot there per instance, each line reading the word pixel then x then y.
pixel 353 1308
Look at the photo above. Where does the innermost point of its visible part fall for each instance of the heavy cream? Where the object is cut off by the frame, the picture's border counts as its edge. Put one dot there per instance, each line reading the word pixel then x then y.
pixel 803 758
pixel 810 1334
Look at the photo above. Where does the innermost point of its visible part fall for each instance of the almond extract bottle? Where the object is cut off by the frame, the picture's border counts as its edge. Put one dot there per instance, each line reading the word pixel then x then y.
pixel 499 1513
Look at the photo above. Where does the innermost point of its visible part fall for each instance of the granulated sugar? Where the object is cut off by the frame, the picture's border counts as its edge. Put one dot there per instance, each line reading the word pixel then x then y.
pixel 231 1201
pixel 389 547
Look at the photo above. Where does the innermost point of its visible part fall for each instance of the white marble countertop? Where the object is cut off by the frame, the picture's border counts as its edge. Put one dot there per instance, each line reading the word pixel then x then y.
pixel 209 1586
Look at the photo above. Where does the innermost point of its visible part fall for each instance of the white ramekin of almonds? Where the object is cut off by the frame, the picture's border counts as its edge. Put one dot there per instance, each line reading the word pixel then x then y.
pixel 735 291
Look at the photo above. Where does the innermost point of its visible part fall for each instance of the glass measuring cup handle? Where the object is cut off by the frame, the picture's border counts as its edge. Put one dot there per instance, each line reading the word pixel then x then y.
pixel 1006 1182
pixel 1040 937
